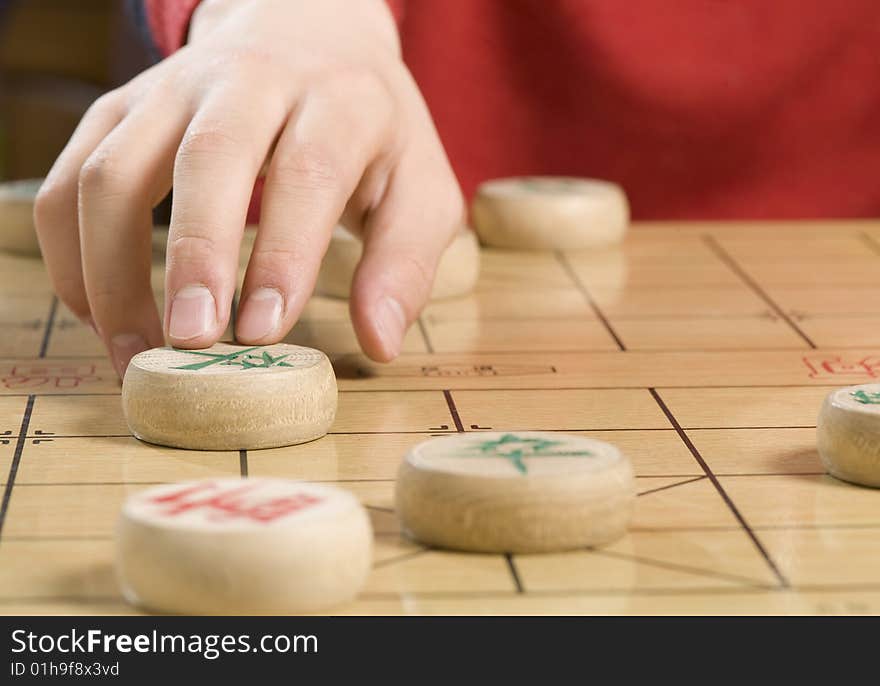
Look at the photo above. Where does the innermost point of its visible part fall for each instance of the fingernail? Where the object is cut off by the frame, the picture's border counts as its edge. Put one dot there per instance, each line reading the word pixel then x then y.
pixel 123 347
pixel 260 314
pixel 193 313
pixel 391 324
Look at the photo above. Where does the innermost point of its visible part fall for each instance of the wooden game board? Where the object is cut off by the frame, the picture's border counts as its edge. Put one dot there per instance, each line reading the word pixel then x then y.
pixel 702 350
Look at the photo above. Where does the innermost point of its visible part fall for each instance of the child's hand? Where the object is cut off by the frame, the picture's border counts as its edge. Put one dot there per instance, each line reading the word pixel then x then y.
pixel 316 88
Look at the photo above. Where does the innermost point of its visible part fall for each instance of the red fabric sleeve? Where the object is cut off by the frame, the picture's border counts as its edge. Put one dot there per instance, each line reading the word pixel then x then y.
pixel 169 22
pixel 698 108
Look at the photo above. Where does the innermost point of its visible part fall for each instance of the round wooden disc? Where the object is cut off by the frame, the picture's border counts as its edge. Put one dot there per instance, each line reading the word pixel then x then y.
pixel 456 275
pixel 17 233
pixel 230 397
pixel 849 434
pixel 242 546
pixel 549 213
pixel 516 492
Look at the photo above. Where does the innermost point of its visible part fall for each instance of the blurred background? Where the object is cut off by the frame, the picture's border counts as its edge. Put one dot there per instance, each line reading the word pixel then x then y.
pixel 56 57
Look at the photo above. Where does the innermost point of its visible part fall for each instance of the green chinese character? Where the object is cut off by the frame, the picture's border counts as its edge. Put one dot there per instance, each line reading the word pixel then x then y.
pixel 517 448
pixel 262 361
pixel 865 398
pixel 240 358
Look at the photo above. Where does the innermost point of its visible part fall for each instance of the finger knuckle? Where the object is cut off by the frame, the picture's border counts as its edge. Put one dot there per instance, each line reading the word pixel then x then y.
pixel 188 247
pixel 277 255
pixel 356 82
pixel 279 267
pixel 101 175
pixel 309 167
pixel 208 142
pixel 108 104
pixel 354 90
pixel 50 204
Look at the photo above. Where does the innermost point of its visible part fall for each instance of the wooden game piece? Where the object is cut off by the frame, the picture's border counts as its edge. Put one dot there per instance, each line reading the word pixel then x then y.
pixel 549 213
pixel 456 274
pixel 517 492
pixel 17 233
pixel 229 397
pixel 849 434
pixel 242 546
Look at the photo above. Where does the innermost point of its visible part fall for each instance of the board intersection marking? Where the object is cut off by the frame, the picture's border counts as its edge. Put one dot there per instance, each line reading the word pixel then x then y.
pixel 783 582
pixel 756 287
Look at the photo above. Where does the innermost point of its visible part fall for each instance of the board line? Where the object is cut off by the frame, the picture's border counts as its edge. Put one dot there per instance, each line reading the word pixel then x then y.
pixel 783 582
pixel 729 528
pixel 544 355
pixel 686 479
pixel 756 288
pixel 425 336
pixel 759 474
pixel 16 460
pixel 50 323
pixel 400 558
pixel 495 389
pixel 684 569
pixel 37 484
pixel 514 572
pixel 453 411
pixel 668 486
pixel 708 528
pixel 570 272
pixel 436 432
pixel 728 591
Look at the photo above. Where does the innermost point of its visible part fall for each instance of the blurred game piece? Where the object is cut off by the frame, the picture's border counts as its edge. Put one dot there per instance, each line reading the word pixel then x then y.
pixel 549 213
pixel 456 274
pixel 516 492
pixel 849 434
pixel 17 233
pixel 242 546
pixel 230 397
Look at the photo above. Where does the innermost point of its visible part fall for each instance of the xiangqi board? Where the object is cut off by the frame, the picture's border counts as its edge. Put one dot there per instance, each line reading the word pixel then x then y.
pixel 702 351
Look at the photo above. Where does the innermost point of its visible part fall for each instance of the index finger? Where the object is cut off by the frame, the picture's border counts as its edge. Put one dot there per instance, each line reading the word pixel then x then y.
pixel 216 167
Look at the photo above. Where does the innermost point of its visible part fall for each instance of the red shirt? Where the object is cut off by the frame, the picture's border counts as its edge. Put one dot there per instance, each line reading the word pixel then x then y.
pixel 698 108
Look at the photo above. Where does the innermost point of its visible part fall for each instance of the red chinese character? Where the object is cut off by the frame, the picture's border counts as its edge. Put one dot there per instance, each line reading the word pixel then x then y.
pixel 231 504
pixel 47 374
pixel 836 366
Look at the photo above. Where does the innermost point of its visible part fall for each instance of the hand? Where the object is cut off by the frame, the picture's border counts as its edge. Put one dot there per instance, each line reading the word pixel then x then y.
pixel 315 93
